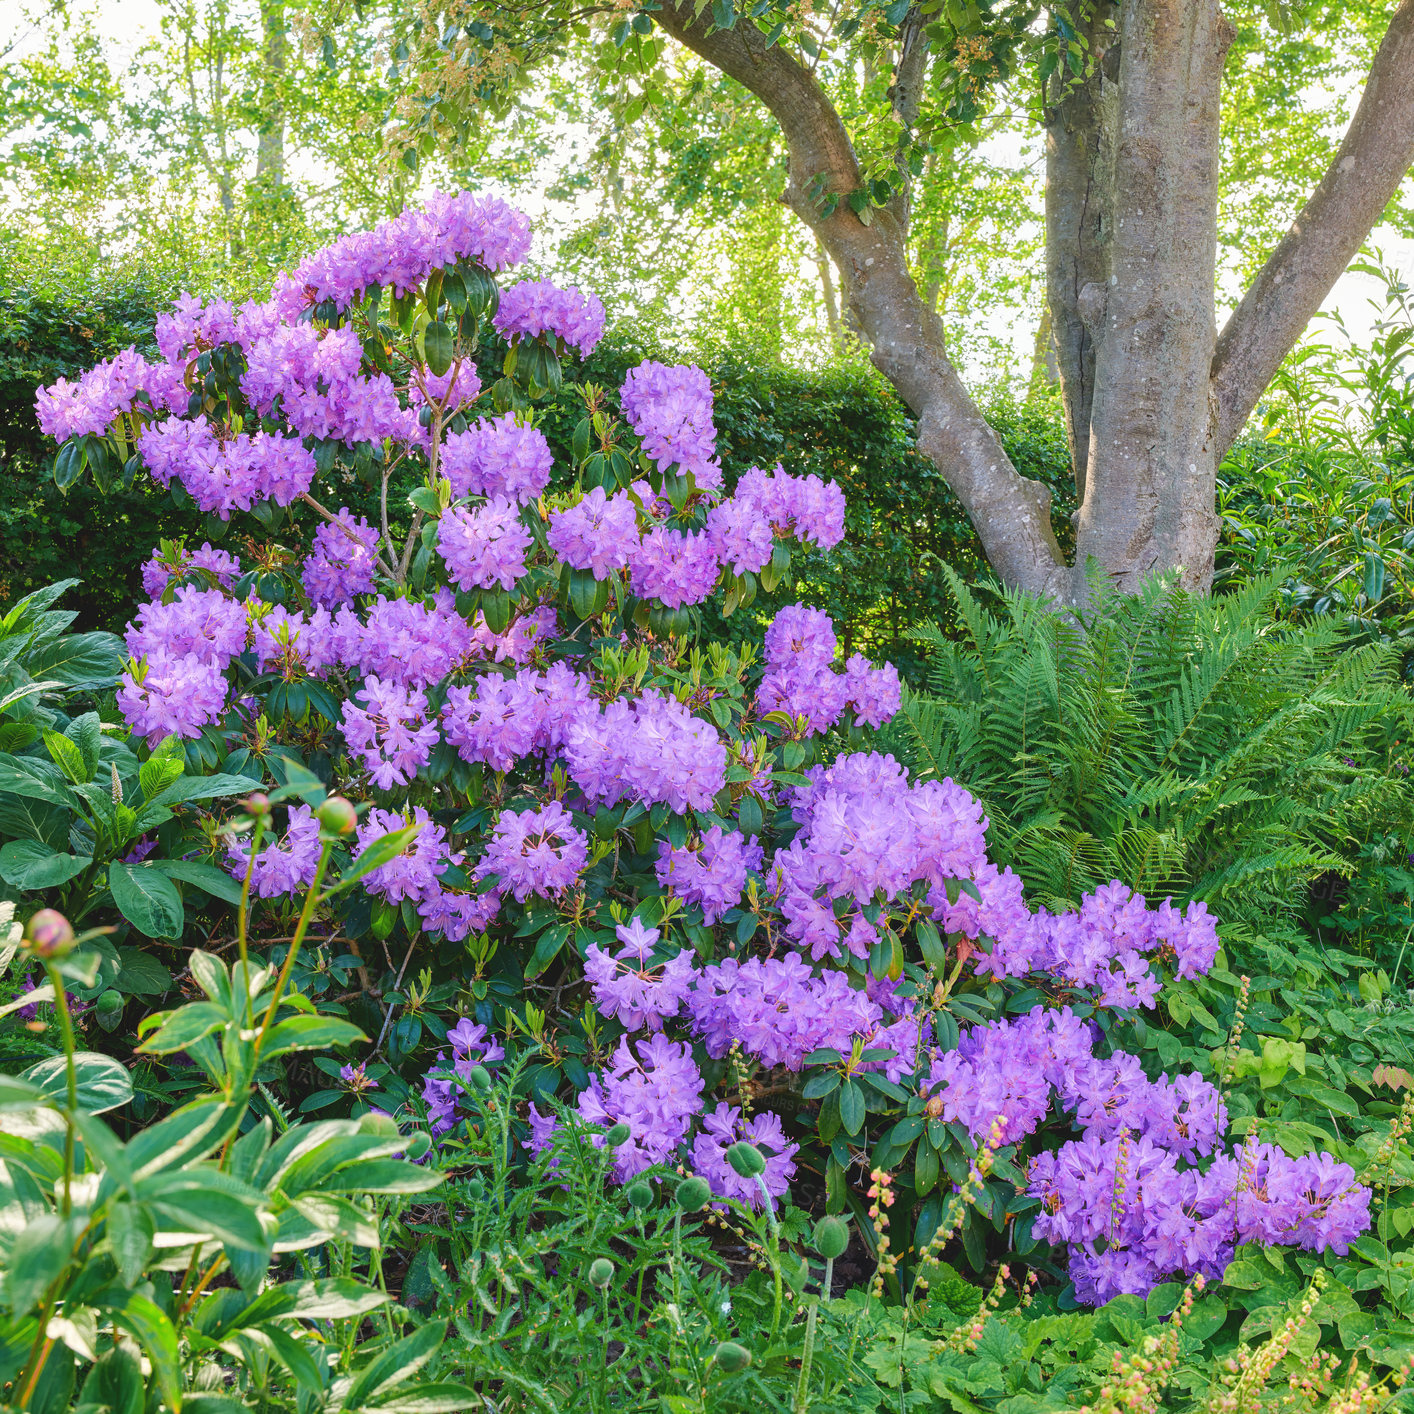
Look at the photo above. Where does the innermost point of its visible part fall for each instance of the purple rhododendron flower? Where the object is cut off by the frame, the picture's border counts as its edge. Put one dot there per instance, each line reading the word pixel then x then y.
pixel 535 851
pixel 725 1127
pixel 632 985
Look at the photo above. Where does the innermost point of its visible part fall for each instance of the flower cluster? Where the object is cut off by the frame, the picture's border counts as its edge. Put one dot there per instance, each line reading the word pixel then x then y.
pixel 557 749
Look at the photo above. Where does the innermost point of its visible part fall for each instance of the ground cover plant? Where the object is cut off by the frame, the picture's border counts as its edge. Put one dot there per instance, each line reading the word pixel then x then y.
pixel 626 913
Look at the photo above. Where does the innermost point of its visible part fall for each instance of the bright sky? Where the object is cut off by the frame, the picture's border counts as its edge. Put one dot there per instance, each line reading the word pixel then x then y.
pixel 132 22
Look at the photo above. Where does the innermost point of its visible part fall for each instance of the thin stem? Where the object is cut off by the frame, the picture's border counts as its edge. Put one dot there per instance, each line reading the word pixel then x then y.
pixel 398 982
pixel 243 914
pixel 66 1031
pixel 306 913
pixel 334 520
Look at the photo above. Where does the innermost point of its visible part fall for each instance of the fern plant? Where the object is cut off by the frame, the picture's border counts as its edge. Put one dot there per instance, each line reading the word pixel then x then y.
pixel 1189 746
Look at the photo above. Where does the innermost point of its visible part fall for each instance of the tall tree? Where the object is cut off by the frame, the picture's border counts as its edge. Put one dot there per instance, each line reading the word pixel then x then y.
pixel 1130 98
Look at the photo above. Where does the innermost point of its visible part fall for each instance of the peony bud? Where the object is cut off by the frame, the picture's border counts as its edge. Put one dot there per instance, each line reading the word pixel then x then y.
pixel 50 934
pixel 257 804
pixel 337 816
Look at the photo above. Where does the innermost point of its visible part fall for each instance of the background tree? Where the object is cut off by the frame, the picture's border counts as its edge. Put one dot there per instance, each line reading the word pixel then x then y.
pixel 1131 103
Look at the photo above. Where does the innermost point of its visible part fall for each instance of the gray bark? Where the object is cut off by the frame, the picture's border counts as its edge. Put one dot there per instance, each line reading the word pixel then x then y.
pixel 1150 469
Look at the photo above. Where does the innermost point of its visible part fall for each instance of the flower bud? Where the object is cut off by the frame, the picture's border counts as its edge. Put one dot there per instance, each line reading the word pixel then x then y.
pixel 480 1077
pixel 731 1357
pixel 337 816
pixel 258 804
pixel 601 1273
pixel 831 1237
pixel 935 1107
pixel 640 1194
pixel 692 1194
pixel 50 933
pixel 746 1159
pixel 619 1134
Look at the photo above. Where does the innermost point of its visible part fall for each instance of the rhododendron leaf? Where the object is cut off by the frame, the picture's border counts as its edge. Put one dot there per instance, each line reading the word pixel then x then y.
pixel 147 899
pixel 547 948
pixel 853 1107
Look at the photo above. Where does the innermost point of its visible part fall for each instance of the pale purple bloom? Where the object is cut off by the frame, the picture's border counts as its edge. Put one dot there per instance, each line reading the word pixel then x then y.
pixel 535 851
pixel 632 985
pixel 169 695
pixel 484 548
pixel 413 874
pixel 341 563
pixel 674 568
pixel 724 1127
pixel 390 731
pixel 222 567
pixel 498 457
pixel 536 307
pixel 710 872
pixel 670 407
pixel 598 533
pixel 285 866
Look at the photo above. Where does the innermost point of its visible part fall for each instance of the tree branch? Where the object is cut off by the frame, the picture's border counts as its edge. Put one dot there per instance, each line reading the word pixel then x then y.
pixel 1375 155
pixel 1010 512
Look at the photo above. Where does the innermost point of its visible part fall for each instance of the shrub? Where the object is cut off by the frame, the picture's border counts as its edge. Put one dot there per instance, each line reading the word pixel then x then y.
pixel 621 837
pixel 1200 748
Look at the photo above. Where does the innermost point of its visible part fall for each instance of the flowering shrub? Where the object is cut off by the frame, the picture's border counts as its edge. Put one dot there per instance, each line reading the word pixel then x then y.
pixel 685 846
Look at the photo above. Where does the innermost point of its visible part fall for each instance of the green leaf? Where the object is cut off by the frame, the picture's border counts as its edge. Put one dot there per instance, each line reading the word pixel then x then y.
pixel 184 1028
pixel 147 899
pixel 381 1176
pixel 309 1033
pixel 207 1201
pixel 31 865
pixel 206 877
pixel 34 780
pixel 67 757
pixel 146 1321
pixel 93 660
pixel 140 974
pixel 440 347
pixel 852 1107
pixel 103 1083
pixel 38 1256
pixel 115 1382
pixel 386 847
pixel 130 1232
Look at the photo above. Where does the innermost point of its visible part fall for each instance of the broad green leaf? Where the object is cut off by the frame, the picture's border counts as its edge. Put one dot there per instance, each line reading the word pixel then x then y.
pixel 115 1382
pixel 130 1232
pixel 333 1299
pixel 206 877
pixel 309 1033
pixel 184 1136
pixel 80 660
pixel 147 898
pixel 103 1083
pixel 207 1201
pixel 35 780
pixel 141 974
pixel 184 1027
pixel 41 1250
pixel 148 1323
pixel 30 865
pixel 381 1176
pixel 441 1398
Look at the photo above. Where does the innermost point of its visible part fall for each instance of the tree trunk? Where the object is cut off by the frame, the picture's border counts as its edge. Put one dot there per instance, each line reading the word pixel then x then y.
pixel 270 142
pixel 1080 131
pixel 1151 466
pixel 1152 398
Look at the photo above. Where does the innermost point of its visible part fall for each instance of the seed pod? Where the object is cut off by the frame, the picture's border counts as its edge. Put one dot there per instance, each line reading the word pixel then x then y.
pixel 831 1237
pixel 731 1357
pixel 746 1159
pixel 337 816
pixel 693 1193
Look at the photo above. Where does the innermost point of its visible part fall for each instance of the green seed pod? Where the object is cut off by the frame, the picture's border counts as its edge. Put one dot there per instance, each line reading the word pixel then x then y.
pixel 601 1273
pixel 692 1194
pixel 640 1194
pixel 731 1357
pixel 746 1159
pixel 831 1237
pixel 619 1134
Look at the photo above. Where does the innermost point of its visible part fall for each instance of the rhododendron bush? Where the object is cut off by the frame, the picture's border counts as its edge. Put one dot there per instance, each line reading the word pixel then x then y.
pixel 678 867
